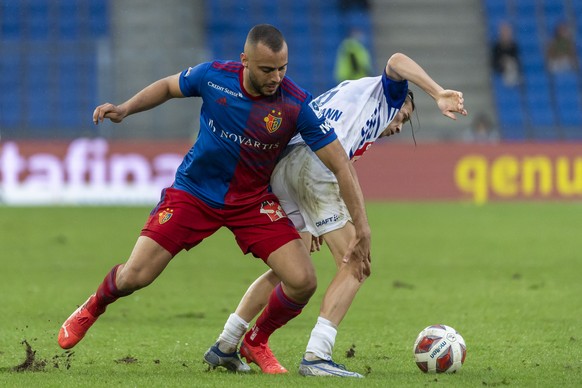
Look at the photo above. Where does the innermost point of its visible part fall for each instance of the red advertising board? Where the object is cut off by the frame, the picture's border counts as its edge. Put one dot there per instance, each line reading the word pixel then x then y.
pixel 96 171
pixel 87 171
pixel 479 173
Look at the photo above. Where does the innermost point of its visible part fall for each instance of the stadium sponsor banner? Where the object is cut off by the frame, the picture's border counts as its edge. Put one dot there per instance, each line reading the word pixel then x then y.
pixel 478 173
pixel 96 171
pixel 87 171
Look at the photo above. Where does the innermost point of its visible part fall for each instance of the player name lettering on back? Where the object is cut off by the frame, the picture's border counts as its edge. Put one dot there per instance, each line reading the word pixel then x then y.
pixel 326 126
pixel 332 114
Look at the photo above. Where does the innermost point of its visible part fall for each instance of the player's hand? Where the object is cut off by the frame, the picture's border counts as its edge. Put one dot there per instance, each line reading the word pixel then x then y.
pixel 451 101
pixel 316 243
pixel 108 111
pixel 359 252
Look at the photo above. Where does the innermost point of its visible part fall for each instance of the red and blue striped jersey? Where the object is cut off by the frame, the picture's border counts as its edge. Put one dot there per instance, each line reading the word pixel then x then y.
pixel 241 136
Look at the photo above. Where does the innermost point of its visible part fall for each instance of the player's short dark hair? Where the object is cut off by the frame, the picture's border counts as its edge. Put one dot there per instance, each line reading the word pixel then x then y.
pixel 268 35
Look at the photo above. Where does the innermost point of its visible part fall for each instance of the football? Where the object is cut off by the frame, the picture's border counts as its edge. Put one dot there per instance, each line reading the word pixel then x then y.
pixel 439 349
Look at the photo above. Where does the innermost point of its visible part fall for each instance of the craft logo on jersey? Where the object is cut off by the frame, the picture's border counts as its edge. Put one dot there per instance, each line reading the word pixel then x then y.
pixel 273 210
pixel 165 215
pixel 273 122
pixel 222 101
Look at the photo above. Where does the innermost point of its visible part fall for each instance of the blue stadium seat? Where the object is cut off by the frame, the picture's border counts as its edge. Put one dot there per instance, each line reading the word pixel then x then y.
pixel 56 66
pixel 10 102
pixel 540 110
pixel 510 111
pixel 533 69
pixel 38 27
pixel 496 12
pixel 524 9
pixel 38 19
pixel 565 80
pixel 10 109
pixel 553 7
pixel 10 20
pixel 69 20
pixel 525 31
pixel 538 103
pixel 568 109
pixel 550 108
pixel 566 94
pixel 10 60
pixel 40 115
pixel 98 18
pixel 496 8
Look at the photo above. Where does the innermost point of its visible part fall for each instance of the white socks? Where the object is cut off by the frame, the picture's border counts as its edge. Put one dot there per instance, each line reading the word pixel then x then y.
pixel 234 329
pixel 320 343
pixel 322 339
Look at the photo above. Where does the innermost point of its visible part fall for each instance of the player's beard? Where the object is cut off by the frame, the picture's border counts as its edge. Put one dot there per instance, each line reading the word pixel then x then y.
pixel 261 89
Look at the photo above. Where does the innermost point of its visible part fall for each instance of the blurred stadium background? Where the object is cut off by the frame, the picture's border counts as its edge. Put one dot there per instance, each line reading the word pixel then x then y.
pixel 60 58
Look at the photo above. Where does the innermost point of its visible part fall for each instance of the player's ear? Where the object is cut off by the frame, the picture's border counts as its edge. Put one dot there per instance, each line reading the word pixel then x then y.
pixel 244 60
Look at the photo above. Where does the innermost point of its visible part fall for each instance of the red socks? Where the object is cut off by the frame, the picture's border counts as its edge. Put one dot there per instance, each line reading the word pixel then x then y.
pixel 107 293
pixel 278 312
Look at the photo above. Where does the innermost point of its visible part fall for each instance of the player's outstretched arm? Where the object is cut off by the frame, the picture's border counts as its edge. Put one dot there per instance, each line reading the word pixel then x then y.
pixel 151 96
pixel 401 67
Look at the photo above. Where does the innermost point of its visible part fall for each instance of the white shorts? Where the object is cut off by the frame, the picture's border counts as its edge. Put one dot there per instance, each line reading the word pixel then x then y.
pixel 309 192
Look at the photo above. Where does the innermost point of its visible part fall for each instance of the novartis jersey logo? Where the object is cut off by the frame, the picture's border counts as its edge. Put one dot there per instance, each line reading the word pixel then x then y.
pixel 241 139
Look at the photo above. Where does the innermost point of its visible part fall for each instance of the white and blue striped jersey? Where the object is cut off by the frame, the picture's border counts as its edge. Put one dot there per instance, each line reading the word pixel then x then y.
pixel 360 110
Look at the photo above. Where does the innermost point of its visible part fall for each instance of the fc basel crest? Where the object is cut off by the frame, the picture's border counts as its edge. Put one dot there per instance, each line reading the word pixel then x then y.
pixel 273 121
pixel 165 215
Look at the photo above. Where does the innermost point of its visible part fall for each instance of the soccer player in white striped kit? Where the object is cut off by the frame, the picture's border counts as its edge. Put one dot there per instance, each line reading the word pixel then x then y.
pixel 360 111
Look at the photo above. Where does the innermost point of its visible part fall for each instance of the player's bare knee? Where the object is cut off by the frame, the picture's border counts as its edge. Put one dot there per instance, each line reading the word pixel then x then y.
pixel 308 286
pixel 302 289
pixel 311 286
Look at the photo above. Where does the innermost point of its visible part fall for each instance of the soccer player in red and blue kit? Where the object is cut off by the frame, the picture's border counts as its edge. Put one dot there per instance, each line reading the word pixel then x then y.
pixel 250 112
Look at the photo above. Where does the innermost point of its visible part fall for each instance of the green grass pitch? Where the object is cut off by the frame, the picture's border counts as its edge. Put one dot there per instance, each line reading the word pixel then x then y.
pixel 505 275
